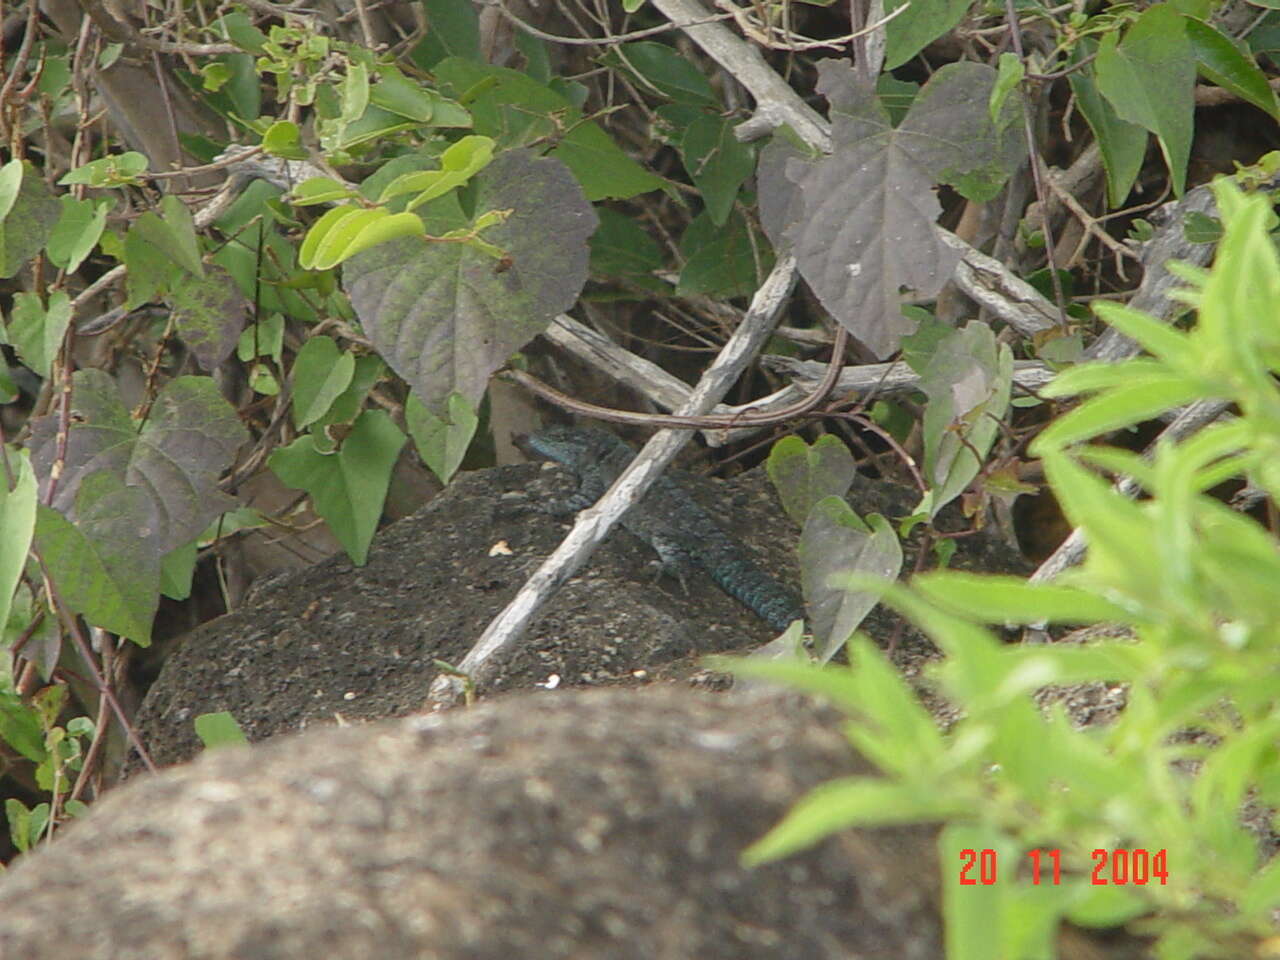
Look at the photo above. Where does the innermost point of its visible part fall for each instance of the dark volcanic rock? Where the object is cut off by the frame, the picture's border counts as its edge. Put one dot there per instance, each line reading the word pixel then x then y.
pixel 337 640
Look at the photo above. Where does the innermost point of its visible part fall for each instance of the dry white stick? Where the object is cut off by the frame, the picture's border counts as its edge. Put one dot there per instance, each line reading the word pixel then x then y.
pixel 1169 242
pixel 776 102
pixel 1189 421
pixel 594 523
pixel 671 393
pixel 665 390
pixel 882 379
pixel 989 283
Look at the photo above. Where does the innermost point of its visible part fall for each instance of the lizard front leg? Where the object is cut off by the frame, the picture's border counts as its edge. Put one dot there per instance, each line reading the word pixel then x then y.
pixel 673 560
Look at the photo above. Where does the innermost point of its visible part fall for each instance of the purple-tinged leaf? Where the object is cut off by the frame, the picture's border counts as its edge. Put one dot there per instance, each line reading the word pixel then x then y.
pixel 445 316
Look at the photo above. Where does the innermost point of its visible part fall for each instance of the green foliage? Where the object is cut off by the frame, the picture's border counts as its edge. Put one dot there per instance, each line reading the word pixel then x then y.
pixel 1191 580
pixel 36 331
pixel 861 221
pixel 57 751
pixel 217 730
pixel 347 487
pixel 836 543
pixel 804 475
pixel 967 379
pixel 442 443
pixel 403 217
pixel 30 217
pixel 1149 77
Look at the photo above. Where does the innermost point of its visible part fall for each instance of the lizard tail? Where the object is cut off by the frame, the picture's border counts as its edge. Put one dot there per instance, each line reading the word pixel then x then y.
pixel 751 587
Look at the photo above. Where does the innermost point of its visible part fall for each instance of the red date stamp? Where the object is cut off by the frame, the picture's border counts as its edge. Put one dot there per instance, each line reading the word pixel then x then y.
pixel 1119 867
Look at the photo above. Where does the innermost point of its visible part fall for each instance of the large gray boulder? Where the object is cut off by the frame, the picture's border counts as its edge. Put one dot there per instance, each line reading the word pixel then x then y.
pixel 590 824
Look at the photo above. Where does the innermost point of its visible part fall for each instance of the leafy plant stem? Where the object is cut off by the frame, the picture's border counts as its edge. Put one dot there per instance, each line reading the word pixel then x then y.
pixel 64 427
pixel 99 733
pixel 72 626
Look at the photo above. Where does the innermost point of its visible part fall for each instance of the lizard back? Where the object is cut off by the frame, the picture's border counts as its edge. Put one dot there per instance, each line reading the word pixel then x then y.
pixel 668 519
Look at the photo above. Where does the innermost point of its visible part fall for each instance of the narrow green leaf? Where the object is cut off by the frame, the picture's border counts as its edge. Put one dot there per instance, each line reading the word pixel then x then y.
pixel 458 165
pixel 1010 74
pixel 1123 144
pixel 398 94
pixel 1160 339
pixel 993 599
pixel 924 21
pixel 354 92
pixel 1120 407
pixel 717 162
pixel 835 683
pixel 1095 377
pixel 666 71
pixel 342 235
pixel 469 155
pixel 177 568
pixel 308 252
pixel 1223 63
pixel 239 29
pixel 1110 906
pixel 320 190
pixel 603 168
pixel 384 230
pixel 17 525
pixel 375 124
pixel 847 802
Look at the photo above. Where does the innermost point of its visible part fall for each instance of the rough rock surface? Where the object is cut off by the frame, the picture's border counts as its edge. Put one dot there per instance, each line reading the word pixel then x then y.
pixel 583 824
pixel 336 640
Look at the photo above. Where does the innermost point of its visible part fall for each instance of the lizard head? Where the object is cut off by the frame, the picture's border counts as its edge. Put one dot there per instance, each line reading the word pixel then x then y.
pixel 571 446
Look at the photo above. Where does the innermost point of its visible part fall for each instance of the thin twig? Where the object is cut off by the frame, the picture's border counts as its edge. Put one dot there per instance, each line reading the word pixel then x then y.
pixel 104 688
pixel 599 41
pixel 19 64
pixel 1037 172
pixel 687 422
